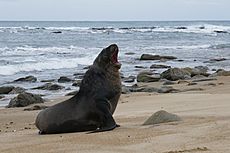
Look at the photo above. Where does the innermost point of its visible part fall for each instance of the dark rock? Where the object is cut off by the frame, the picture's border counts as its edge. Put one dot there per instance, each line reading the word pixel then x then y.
pixel 72 93
pixel 36 107
pixel 129 53
pixel 27 79
pixel 50 86
pixel 147 77
pixel 6 89
pixel 159 66
pixel 25 99
pixel 161 117
pixel 181 28
pixel 174 74
pixel 202 27
pixel 64 79
pixel 218 59
pixel 220 31
pixel 57 32
pixel 215 60
pixel 50 80
pixel 17 90
pixel 129 79
pixel 204 79
pixel 77 83
pixel 1 97
pixel 156 57
pixel 140 67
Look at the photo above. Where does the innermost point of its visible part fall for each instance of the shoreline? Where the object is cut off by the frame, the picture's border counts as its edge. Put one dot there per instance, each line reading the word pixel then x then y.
pixel 204 126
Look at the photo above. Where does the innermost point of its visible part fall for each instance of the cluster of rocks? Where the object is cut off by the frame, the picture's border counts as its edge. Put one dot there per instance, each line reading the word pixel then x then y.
pixel 24 98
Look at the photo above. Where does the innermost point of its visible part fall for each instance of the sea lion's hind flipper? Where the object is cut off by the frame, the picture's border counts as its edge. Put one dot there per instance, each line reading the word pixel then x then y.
pixel 108 123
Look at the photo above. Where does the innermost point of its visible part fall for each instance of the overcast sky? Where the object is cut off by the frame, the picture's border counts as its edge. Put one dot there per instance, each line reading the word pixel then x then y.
pixel 103 10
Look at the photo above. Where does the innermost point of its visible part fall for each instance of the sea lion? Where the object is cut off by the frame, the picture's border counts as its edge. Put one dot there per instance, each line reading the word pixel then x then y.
pixel 91 109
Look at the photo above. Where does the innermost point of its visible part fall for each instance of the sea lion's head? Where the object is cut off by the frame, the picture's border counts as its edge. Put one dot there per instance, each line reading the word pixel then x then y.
pixel 108 58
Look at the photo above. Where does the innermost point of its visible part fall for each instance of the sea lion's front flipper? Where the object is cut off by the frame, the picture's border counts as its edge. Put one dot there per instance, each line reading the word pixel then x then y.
pixel 108 123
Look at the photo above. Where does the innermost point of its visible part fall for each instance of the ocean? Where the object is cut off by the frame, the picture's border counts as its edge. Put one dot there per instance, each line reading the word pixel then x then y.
pixel 49 50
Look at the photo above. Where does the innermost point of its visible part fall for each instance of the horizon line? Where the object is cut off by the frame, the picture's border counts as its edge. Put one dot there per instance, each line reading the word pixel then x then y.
pixel 199 20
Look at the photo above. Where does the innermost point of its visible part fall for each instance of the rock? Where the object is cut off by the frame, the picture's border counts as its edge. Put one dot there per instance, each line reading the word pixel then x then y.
pixel 198 77
pixel 223 73
pixel 25 99
pixel 161 117
pixel 215 60
pixel 64 79
pixel 49 86
pixel 147 77
pixel 57 32
pixel 139 67
pixel 79 75
pixel 129 79
pixel 77 83
pixel 196 71
pixel 6 89
pixel 220 31
pixel 72 93
pixel 181 28
pixel 17 90
pixel 167 82
pixel 202 68
pixel 26 79
pixel 36 107
pixel 50 80
pixel 129 53
pixel 204 79
pixel 174 74
pixel 1 97
pixel 156 57
pixel 159 66
pixel 125 90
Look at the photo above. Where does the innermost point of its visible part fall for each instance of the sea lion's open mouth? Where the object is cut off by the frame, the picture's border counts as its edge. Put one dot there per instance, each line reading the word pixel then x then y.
pixel 114 59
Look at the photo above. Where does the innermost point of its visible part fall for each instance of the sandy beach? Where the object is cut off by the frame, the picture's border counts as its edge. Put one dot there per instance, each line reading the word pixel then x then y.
pixel 204 127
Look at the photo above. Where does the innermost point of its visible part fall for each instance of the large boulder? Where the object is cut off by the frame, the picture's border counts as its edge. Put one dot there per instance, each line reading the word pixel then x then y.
pixel 156 57
pixel 148 77
pixel 175 74
pixel 26 79
pixel 161 117
pixel 197 71
pixel 50 86
pixel 25 99
pixel 6 89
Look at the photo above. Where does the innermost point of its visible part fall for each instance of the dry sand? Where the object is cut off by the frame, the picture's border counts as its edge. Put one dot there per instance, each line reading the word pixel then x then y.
pixel 205 126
